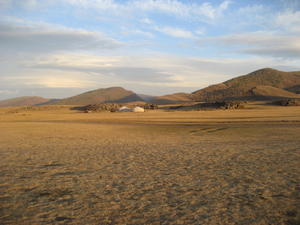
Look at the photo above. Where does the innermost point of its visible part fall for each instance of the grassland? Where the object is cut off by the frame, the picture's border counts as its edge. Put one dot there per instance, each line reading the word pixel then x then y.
pixel 60 166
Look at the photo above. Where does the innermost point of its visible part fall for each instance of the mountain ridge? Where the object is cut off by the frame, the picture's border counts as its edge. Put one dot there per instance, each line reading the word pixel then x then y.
pixel 172 98
pixel 23 101
pixel 262 84
pixel 241 87
pixel 101 95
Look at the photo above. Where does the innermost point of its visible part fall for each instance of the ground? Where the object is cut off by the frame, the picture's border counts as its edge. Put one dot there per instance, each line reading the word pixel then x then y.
pixel 60 166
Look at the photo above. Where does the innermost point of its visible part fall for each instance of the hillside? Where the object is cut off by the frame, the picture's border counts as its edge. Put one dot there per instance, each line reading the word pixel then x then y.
pixel 23 101
pixel 295 89
pixel 112 94
pixel 269 92
pixel 147 98
pixel 264 84
pixel 172 98
pixel 261 84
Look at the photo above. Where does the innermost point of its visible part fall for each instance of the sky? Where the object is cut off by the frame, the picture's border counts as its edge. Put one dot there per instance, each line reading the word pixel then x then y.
pixel 60 48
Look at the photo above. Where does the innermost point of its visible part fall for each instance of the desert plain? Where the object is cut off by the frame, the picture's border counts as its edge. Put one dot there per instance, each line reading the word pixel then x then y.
pixel 62 166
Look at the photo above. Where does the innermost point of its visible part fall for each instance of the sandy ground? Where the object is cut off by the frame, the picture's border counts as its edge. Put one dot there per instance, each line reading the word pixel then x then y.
pixel 212 167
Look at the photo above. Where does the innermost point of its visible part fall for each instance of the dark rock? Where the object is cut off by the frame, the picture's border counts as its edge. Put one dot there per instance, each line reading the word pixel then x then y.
pixel 110 107
pixel 211 106
pixel 150 106
pixel 62 218
pixel 230 105
pixel 289 102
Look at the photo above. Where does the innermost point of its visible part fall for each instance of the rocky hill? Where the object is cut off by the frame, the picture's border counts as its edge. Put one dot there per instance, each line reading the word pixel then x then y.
pixel 103 95
pixel 259 85
pixel 24 101
pixel 172 98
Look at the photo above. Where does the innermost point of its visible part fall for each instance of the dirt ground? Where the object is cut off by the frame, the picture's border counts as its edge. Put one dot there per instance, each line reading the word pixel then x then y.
pixel 60 166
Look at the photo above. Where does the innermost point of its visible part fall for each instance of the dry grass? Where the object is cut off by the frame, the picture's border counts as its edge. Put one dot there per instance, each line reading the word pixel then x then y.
pixel 212 167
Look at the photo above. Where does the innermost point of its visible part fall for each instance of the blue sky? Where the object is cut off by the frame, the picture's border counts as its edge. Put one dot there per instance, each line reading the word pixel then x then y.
pixel 58 48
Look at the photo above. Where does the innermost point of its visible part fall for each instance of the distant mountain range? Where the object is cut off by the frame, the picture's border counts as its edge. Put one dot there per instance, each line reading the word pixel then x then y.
pixel 264 84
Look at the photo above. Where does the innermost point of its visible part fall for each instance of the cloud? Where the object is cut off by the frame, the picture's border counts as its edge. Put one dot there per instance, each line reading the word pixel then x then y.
pixel 261 43
pixel 175 32
pixel 138 32
pixel 289 21
pixel 200 31
pixel 52 80
pixel 290 4
pixel 57 81
pixel 41 37
pixel 146 21
pixel 199 11
pixel 116 68
pixel 252 10
pixel 8 92
pixel 192 10
pixel 159 69
pixel 285 51
pixel 5 4
pixel 45 83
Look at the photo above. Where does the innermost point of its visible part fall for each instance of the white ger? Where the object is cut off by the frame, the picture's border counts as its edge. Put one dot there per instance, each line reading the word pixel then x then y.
pixel 138 109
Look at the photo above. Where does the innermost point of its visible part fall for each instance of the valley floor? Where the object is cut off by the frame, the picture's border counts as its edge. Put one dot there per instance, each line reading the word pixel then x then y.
pixel 59 166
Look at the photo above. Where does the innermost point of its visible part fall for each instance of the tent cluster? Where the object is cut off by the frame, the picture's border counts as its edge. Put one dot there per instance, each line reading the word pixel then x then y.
pixel 135 109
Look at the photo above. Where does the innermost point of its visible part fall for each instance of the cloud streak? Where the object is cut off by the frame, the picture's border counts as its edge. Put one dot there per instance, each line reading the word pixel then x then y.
pixel 191 10
pixel 50 38
pixel 261 43
pixel 118 68
pixel 175 32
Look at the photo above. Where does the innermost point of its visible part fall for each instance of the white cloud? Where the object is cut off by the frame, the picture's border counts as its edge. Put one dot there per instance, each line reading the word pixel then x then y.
pixel 175 32
pixel 26 4
pixel 178 8
pixel 289 21
pixel 121 68
pixel 54 81
pixel 200 31
pixel 173 7
pixel 42 37
pixel 8 92
pixel 30 4
pixel 252 10
pixel 146 21
pixel 58 81
pixel 261 43
pixel 192 10
pixel 158 69
pixel 138 32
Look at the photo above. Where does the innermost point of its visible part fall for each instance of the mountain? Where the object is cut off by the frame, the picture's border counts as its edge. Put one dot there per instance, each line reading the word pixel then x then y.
pixel 112 94
pixel 172 98
pixel 263 84
pixel 259 85
pixel 265 92
pixel 23 101
pixel 147 98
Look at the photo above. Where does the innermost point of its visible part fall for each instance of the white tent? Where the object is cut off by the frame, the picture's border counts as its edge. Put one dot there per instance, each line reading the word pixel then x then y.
pixel 138 109
pixel 125 109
